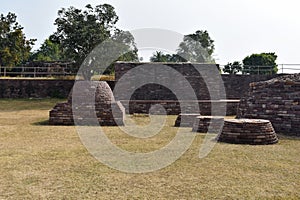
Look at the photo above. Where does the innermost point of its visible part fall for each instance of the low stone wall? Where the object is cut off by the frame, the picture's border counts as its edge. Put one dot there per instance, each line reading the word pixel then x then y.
pixel 34 88
pixel 235 85
pixel 277 100
pixel 37 88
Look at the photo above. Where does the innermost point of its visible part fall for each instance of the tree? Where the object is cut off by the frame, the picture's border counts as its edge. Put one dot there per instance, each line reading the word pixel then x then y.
pixel 125 41
pixel 49 51
pixel 14 48
pixel 263 63
pixel 197 47
pixel 120 47
pixel 233 68
pixel 80 31
pixel 159 56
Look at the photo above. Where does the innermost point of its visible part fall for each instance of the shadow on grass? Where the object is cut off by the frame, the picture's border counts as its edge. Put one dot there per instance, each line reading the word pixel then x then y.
pixel 41 123
pixel 286 137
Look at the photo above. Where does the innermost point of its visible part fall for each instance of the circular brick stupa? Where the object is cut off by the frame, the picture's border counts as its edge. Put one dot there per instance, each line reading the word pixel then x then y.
pixel 248 131
pixel 94 101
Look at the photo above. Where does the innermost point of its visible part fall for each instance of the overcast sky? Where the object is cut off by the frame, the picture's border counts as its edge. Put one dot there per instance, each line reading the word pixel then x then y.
pixel 239 27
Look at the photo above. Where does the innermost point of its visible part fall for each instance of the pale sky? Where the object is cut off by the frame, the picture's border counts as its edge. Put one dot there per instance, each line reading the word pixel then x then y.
pixel 239 27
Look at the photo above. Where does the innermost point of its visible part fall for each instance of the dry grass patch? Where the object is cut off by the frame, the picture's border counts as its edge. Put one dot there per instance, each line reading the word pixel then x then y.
pixel 49 162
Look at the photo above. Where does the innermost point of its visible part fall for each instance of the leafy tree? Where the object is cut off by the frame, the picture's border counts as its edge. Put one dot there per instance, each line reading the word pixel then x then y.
pixel 14 48
pixel 159 56
pixel 120 47
pixel 233 68
pixel 197 47
pixel 49 51
pixel 263 63
pixel 80 31
pixel 125 41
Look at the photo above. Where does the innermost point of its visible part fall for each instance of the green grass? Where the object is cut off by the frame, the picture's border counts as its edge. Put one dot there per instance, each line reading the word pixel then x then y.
pixel 50 162
pixel 27 104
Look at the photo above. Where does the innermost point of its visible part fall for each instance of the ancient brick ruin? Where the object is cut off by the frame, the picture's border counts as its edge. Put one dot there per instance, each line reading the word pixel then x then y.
pixel 277 100
pixel 203 124
pixel 186 120
pixel 248 131
pixel 104 108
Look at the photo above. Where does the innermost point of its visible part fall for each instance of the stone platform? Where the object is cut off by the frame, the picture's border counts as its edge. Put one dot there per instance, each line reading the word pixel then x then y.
pixel 248 131
pixel 186 119
pixel 202 124
pixel 173 107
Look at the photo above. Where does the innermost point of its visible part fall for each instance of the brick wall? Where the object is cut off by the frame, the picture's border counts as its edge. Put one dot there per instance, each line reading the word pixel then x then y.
pixel 34 88
pixel 277 100
pixel 235 85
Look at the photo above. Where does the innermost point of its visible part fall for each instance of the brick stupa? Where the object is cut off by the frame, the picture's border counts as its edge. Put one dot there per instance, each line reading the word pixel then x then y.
pixel 103 110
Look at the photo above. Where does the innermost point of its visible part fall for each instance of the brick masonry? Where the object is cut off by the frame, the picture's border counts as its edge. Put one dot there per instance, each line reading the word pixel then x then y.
pixel 145 96
pixel 248 131
pixel 235 86
pixel 173 107
pixel 277 100
pixel 34 88
pixel 94 104
pixel 37 88
pixel 185 120
pixel 204 124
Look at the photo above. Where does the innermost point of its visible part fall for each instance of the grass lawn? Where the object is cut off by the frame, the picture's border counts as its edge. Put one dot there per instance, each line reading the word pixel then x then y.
pixel 49 162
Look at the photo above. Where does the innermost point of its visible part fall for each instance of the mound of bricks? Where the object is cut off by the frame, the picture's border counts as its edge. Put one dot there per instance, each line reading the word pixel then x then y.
pixel 186 119
pixel 103 110
pixel 203 124
pixel 277 100
pixel 61 114
pixel 248 131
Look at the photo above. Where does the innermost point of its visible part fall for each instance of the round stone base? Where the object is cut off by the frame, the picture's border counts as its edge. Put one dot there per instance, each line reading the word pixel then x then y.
pixel 248 131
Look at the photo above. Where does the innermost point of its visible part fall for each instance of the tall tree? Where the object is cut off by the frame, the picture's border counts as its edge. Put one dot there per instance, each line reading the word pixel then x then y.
pixel 159 56
pixel 197 47
pixel 49 51
pixel 120 47
pixel 263 63
pixel 14 47
pixel 125 42
pixel 233 68
pixel 80 31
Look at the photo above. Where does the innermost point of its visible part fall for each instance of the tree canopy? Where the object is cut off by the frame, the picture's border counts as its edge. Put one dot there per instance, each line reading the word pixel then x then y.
pixel 263 63
pixel 197 47
pixel 14 47
pixel 49 51
pixel 233 68
pixel 80 31
pixel 159 56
